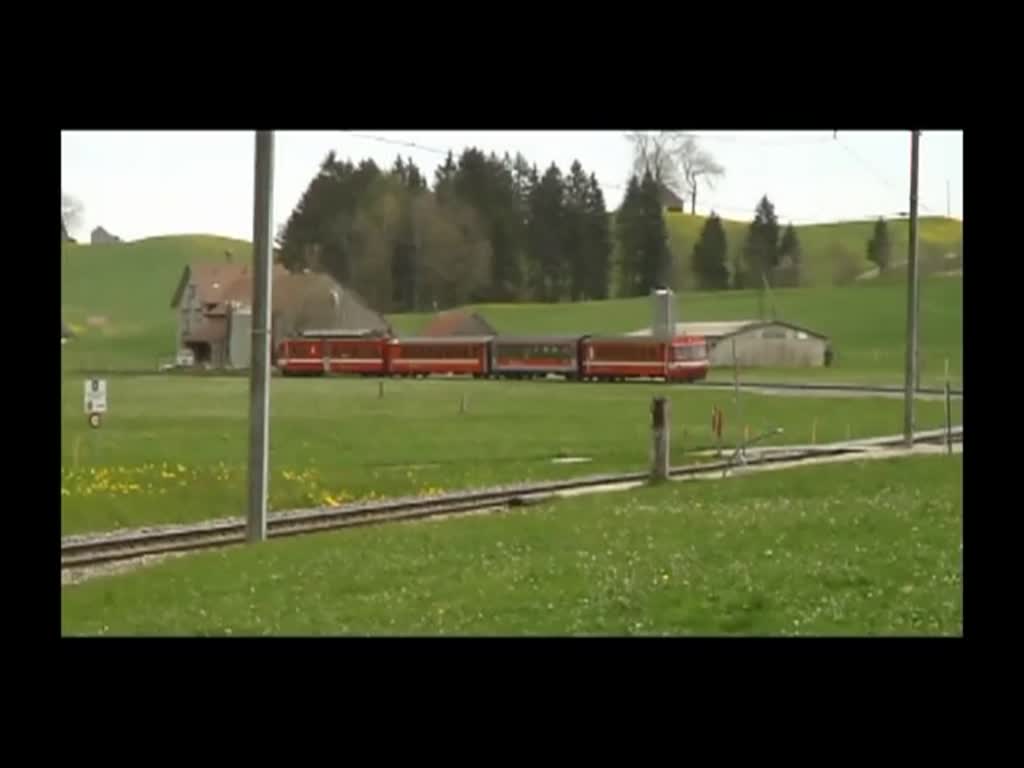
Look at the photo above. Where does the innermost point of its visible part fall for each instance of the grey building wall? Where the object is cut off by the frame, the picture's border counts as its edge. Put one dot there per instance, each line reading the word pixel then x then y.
pixel 770 347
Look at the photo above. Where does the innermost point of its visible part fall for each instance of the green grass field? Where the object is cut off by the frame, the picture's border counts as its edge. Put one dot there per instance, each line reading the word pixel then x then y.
pixel 869 548
pixel 125 291
pixel 866 322
pixel 174 449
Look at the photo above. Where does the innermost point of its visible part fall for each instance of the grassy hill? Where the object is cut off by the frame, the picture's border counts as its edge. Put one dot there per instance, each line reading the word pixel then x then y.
pixel 866 322
pixel 117 297
pixel 820 243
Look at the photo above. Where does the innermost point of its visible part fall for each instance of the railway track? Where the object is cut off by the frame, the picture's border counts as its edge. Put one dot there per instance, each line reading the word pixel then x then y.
pixel 885 389
pixel 97 549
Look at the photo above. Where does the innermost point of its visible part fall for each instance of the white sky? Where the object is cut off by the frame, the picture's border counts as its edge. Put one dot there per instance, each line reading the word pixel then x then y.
pixel 145 183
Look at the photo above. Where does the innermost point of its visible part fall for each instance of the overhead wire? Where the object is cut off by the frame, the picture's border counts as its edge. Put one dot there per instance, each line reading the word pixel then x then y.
pixel 703 136
pixel 878 176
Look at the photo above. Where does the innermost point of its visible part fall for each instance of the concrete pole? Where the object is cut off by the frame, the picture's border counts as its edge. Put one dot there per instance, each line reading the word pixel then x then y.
pixel 660 433
pixel 259 373
pixel 736 385
pixel 949 413
pixel 912 304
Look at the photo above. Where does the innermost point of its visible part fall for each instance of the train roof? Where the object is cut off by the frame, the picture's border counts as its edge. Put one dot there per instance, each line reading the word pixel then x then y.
pixel 442 339
pixel 319 333
pixel 562 339
pixel 627 339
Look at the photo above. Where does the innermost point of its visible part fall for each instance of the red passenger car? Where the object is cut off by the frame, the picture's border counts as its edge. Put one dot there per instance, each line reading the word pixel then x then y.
pixel 317 353
pixel 618 358
pixel 450 354
pixel 524 357
pixel 297 357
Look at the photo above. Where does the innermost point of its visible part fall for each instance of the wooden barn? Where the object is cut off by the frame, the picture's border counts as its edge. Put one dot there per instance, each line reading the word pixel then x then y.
pixel 214 306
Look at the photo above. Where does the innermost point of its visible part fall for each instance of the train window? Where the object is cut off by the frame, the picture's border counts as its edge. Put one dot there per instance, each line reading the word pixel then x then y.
pixel 691 352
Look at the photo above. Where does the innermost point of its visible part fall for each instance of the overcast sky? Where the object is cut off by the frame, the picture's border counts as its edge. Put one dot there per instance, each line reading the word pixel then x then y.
pixel 144 183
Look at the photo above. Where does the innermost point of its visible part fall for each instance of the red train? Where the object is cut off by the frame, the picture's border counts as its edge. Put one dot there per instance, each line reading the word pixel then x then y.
pixel 581 358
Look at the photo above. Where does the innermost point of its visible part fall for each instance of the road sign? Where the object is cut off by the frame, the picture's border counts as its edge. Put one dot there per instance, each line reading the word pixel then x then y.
pixel 95 396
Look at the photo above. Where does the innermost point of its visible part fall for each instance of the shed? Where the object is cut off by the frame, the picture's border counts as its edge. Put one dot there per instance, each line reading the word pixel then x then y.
pixel 759 343
pixel 458 323
pixel 767 344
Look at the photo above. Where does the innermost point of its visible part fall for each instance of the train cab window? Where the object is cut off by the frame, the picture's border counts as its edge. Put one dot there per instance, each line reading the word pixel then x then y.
pixel 690 352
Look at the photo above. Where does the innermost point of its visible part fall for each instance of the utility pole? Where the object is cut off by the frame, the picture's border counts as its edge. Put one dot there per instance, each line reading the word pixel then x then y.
pixel 259 372
pixel 949 215
pixel 912 304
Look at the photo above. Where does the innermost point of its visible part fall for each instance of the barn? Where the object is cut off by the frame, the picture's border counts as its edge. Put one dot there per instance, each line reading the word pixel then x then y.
pixel 759 343
pixel 762 344
pixel 213 303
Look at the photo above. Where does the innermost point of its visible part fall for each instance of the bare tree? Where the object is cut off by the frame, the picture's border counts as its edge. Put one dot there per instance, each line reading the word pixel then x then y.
pixel 675 160
pixel 696 165
pixel 656 152
pixel 70 214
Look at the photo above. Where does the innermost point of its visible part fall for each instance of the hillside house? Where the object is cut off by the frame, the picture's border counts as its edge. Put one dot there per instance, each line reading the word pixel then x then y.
pixel 670 201
pixel 100 236
pixel 214 305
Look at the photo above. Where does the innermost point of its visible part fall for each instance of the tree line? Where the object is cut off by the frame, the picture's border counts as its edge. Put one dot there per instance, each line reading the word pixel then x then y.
pixel 490 229
pixel 770 255
pixel 486 229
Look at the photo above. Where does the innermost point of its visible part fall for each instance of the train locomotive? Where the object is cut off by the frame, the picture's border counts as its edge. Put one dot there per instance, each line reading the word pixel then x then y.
pixel 577 358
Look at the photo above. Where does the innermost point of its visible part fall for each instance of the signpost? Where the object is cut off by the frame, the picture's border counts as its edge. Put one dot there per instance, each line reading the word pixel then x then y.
pixel 95 400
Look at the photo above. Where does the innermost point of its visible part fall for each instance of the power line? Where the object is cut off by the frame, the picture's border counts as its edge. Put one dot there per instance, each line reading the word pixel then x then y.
pixel 399 142
pixel 745 209
pixel 885 181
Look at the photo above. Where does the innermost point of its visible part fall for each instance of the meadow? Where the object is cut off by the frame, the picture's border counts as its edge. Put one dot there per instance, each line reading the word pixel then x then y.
pixel 866 323
pixel 175 448
pixel 861 548
pixel 117 298
pixel 819 243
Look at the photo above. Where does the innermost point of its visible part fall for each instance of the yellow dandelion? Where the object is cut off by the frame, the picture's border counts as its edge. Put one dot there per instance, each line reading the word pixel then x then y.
pixel 181 468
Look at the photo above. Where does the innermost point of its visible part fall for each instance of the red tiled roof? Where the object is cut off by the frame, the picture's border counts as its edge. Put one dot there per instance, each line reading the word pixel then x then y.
pixel 457 323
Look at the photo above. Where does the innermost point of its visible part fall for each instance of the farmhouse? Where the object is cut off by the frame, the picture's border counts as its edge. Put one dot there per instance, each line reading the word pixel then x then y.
pixel 760 344
pixel 670 201
pixel 214 304
pixel 100 236
pixel 456 323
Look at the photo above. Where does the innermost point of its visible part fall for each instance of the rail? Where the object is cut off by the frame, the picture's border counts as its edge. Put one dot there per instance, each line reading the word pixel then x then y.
pixel 93 549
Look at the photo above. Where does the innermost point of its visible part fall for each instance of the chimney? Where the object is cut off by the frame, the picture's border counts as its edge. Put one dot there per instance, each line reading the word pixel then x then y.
pixel 663 327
